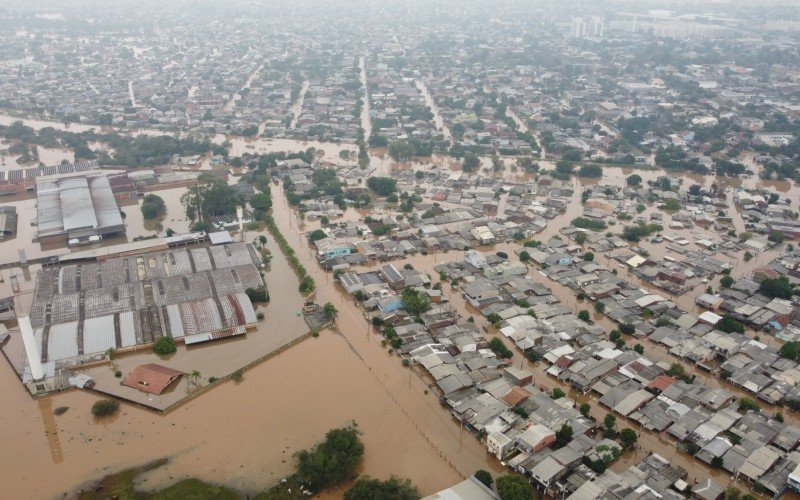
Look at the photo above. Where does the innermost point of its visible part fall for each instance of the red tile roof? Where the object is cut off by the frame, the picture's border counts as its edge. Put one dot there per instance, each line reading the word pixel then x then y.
pixel 152 378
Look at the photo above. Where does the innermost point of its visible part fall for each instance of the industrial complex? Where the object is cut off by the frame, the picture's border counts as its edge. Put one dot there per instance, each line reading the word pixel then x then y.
pixel 82 309
pixel 81 208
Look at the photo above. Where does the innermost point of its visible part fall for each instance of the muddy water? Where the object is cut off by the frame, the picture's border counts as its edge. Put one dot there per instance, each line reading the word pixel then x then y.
pixel 514 116
pixel 437 116
pixel 366 120
pixel 250 429
pixel 297 106
pixel 648 441
pixel 243 435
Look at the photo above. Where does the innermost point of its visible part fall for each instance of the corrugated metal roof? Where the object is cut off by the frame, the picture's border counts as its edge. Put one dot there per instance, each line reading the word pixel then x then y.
pixel 77 210
pixel 62 341
pixel 99 334
pixel 127 329
pixel 175 321
pixel 105 204
pixel 217 334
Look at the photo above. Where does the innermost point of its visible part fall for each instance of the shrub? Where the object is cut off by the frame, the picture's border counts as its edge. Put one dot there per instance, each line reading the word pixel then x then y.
pixel 514 487
pixel 257 294
pixel 366 488
pixel 237 376
pixel 333 461
pixel 558 393
pixel 500 349
pixel 746 403
pixel 485 477
pixel 118 374
pixel 164 346
pixel 730 325
pixel 590 224
pixel 152 206
pixel 105 407
pixel 627 437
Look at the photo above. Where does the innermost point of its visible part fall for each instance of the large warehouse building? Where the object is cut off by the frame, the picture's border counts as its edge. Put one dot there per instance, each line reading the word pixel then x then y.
pixel 79 208
pixel 80 311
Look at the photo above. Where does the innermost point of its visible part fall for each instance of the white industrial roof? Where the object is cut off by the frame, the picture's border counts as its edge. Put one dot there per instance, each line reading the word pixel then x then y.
pixel 98 334
pixel 127 329
pixel 62 342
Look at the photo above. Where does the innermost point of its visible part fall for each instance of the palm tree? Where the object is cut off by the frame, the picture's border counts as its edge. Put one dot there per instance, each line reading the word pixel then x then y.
pixel 111 353
pixel 192 378
pixel 330 310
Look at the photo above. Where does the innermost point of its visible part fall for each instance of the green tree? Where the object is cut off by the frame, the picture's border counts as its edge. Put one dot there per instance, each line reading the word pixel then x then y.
pixel 634 180
pixel 401 150
pixel 257 294
pixel 563 436
pixel 499 348
pixel 382 186
pixel 209 197
pixel 628 438
pixel 317 235
pixel 776 237
pixel 585 408
pixel 746 403
pixel 330 311
pixel 332 462
pixel 584 315
pixel 164 346
pixel 726 281
pixel 676 370
pixel 639 348
pixel 672 205
pixel 791 350
pixel 580 238
pixel 414 302
pixel 514 487
pixel 558 393
pixel 609 422
pixel 366 488
pixel 261 202
pixel 471 163
pixel 588 256
pixel 524 256
pixel 485 477
pixel 307 285
pixel 776 288
pixel 153 206
pixel 729 325
pixel 564 170
pixel 591 171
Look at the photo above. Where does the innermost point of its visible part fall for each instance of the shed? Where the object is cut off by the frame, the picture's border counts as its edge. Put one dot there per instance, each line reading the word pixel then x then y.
pixel 152 378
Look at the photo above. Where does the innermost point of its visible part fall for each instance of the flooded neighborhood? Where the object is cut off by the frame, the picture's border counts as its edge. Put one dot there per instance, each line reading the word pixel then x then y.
pixel 441 250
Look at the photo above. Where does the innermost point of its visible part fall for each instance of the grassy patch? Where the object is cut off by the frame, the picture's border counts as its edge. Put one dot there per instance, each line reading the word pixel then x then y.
pixel 121 486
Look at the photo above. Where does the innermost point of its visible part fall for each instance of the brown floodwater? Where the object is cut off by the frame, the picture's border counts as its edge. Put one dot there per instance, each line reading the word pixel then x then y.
pixel 245 434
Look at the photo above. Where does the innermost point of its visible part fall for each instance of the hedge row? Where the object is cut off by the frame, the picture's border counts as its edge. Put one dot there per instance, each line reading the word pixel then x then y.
pixel 307 284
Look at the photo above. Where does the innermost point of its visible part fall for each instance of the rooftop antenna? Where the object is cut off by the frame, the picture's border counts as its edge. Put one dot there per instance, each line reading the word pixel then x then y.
pixel 31 350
